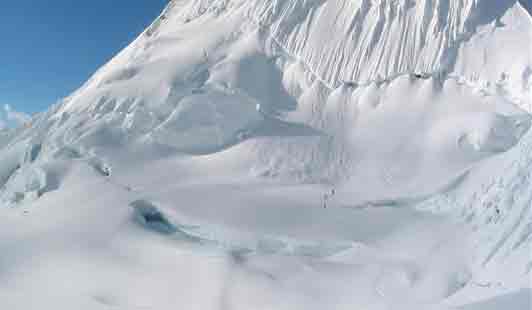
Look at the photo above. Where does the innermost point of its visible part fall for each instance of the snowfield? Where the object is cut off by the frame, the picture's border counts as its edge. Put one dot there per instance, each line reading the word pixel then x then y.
pixel 297 154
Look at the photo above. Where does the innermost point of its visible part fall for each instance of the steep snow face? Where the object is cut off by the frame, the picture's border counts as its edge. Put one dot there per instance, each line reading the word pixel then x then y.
pixel 378 40
pixel 223 127
pixel 391 103
pixel 374 40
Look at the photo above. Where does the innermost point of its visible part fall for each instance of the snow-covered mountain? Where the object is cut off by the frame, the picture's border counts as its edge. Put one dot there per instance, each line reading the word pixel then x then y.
pixel 296 154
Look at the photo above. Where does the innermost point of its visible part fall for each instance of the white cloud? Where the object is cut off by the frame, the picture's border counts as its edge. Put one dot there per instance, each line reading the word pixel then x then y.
pixel 13 116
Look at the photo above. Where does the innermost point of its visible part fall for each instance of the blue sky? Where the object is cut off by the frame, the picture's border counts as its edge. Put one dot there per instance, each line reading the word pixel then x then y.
pixel 50 47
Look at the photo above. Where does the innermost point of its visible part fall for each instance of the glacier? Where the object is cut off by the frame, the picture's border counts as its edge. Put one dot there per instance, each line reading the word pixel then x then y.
pixel 297 154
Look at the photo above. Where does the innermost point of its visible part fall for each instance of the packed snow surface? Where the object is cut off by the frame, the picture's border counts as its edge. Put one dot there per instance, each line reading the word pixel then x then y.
pixel 297 154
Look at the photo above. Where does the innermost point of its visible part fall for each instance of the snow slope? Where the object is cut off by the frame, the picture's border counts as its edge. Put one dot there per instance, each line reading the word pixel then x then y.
pixel 193 169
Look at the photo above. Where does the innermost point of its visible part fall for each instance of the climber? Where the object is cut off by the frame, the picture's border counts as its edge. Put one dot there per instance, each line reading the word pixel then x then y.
pixel 326 197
